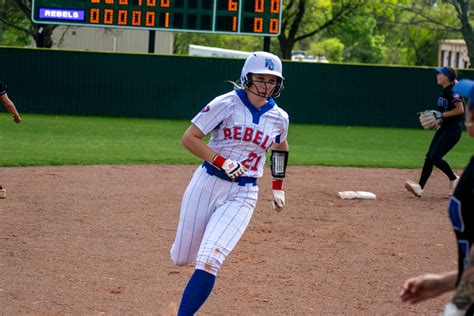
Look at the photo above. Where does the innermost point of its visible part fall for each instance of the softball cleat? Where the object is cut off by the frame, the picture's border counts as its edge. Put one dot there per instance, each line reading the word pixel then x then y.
pixel 414 188
pixel 452 185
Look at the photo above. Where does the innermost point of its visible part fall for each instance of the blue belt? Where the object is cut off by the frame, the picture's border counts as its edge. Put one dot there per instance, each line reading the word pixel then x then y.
pixel 213 171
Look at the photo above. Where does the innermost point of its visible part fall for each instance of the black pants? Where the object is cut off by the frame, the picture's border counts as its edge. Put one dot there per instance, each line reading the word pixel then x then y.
pixel 443 141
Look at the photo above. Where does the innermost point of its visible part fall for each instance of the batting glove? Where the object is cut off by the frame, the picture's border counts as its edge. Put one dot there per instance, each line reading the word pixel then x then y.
pixel 452 310
pixel 278 195
pixel 232 168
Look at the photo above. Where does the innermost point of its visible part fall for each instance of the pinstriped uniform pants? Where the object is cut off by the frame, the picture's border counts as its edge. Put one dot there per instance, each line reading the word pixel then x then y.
pixel 214 215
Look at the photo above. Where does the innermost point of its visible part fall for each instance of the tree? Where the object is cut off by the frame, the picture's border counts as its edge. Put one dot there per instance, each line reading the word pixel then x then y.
pixel 302 19
pixel 431 15
pixel 363 42
pixel 384 31
pixel 332 48
pixel 463 8
pixel 10 35
pixel 16 14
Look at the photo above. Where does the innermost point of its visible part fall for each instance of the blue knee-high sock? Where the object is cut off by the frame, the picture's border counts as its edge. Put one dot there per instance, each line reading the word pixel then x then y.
pixel 196 292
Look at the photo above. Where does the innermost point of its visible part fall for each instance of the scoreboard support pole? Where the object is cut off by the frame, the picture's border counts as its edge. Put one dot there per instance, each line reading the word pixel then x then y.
pixel 266 43
pixel 151 41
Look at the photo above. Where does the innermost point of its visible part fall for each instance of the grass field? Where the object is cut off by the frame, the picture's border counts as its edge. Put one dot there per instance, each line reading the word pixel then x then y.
pixel 70 140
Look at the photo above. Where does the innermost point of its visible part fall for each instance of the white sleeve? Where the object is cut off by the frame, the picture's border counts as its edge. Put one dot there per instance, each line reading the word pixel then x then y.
pixel 212 115
pixel 285 122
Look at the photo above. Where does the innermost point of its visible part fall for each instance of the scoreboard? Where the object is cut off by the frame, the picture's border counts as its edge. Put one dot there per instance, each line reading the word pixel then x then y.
pixel 241 17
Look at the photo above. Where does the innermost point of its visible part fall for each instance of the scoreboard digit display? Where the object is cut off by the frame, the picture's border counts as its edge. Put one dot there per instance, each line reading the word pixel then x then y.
pixel 244 17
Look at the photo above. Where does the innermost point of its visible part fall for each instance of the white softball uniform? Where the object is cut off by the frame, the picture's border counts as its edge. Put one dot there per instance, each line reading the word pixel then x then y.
pixel 215 211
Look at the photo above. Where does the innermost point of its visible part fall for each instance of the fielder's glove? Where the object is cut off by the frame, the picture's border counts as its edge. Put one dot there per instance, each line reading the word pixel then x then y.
pixel 452 310
pixel 431 119
pixel 278 195
pixel 232 168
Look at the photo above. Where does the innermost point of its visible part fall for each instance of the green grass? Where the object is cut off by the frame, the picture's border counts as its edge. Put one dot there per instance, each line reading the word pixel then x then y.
pixel 69 140
pixel 368 146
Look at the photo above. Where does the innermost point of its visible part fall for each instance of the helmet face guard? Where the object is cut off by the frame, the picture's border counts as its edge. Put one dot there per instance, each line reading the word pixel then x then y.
pixel 276 89
pixel 263 63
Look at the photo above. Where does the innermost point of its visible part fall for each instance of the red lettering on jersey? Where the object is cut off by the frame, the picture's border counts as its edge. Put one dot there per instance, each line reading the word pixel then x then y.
pixel 263 145
pixel 258 137
pixel 269 146
pixel 227 133
pixel 248 134
pixel 237 133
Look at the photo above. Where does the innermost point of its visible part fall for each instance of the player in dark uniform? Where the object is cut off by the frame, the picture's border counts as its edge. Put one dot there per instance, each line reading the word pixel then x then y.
pixel 461 214
pixel 8 104
pixel 450 111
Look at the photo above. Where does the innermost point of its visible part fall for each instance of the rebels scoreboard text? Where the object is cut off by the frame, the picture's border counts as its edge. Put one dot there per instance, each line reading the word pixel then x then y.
pixel 245 17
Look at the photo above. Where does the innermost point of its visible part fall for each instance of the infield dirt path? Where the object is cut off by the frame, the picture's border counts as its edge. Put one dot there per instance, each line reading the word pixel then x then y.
pixel 94 240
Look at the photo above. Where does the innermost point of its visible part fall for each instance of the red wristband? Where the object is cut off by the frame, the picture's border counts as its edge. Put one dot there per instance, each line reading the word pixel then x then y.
pixel 277 184
pixel 218 161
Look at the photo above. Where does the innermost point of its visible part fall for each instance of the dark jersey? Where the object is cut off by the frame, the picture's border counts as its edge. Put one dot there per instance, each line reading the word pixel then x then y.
pixel 3 88
pixel 461 213
pixel 446 103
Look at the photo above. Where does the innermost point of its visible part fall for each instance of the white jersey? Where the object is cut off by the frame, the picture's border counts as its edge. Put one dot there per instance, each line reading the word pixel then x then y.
pixel 241 132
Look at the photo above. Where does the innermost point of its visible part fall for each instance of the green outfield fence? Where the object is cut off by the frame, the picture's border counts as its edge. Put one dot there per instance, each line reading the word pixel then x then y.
pixel 44 81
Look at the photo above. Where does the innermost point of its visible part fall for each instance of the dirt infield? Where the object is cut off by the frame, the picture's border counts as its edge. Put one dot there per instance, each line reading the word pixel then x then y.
pixel 95 240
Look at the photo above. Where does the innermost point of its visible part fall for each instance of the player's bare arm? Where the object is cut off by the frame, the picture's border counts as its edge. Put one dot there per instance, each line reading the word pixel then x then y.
pixel 192 141
pixel 281 147
pixel 458 110
pixel 10 106
pixel 426 286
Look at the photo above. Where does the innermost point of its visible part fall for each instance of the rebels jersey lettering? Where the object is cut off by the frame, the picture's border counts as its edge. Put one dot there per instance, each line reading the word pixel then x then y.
pixel 446 103
pixel 241 132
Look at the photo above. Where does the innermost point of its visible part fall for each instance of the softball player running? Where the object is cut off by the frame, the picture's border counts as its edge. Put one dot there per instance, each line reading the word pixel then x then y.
pixel 8 104
pixel 460 210
pixel 219 201
pixel 450 113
